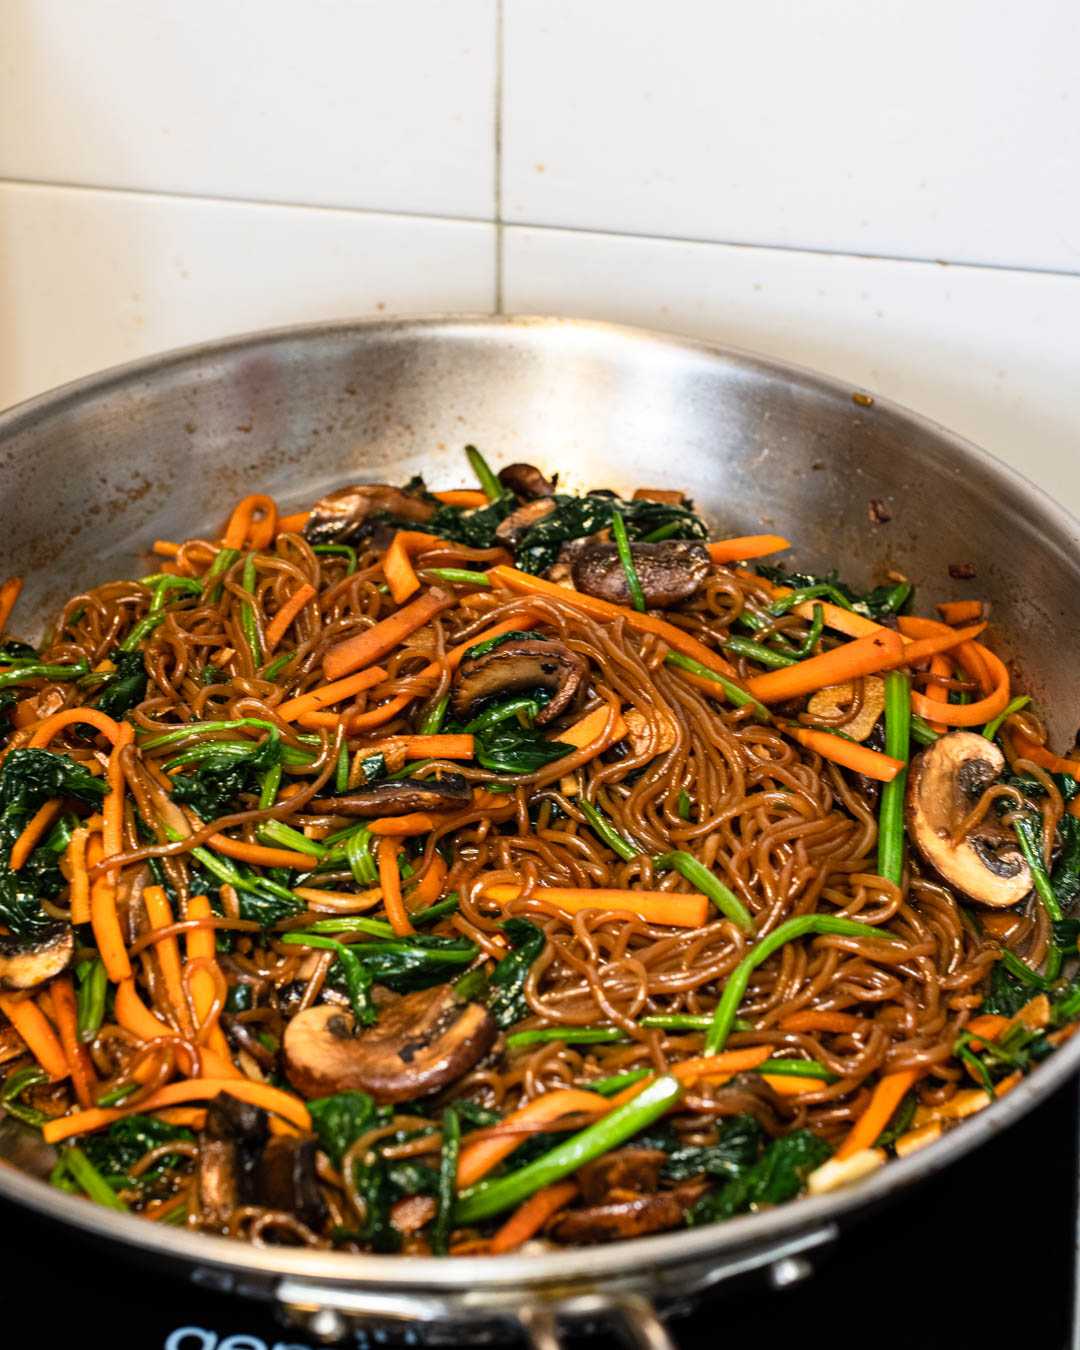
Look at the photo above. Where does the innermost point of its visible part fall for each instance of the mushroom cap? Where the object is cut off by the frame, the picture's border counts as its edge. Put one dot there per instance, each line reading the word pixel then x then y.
pixel 526 482
pixel 336 517
pixel 420 1043
pixel 517 524
pixel 400 797
pixel 946 780
pixel 517 667
pixel 669 571
pixel 25 965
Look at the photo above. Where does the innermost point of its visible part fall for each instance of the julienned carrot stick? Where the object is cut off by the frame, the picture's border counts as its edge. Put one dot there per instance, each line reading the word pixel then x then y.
pixel 259 855
pixel 398 827
pixel 335 692
pixel 863 656
pixel 670 908
pixel 76 1054
pixel 589 730
pixel 939 693
pixel 77 861
pixel 748 546
pixel 33 1026
pixel 791 1085
pixel 960 611
pixel 278 625
pixel 134 1016
pixel 200 947
pixel 715 1069
pixel 836 617
pixel 370 646
pixel 884 1100
pixel 524 584
pixel 241 527
pixel 32 831
pixel 107 931
pixel 1038 754
pixel 398 569
pixel 850 754
pixel 390 881
pixel 440 745
pixel 165 548
pixel 112 809
pixel 527 1221
pixel 933 645
pixel 159 912
pixel 477 1159
pixel 973 656
pixel 9 593
pixel 199 1089
pixel 292 524
pixel 811 1019
pixel 430 886
pixel 470 498
pixel 66 716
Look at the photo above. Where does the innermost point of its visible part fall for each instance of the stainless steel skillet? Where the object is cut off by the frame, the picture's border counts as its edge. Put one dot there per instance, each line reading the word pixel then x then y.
pixel 93 472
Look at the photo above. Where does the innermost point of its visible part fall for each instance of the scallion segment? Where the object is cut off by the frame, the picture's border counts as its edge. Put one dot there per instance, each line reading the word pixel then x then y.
pixel 898 745
pixel 739 697
pixel 604 830
pixel 571 1035
pixel 622 544
pixel 993 727
pixel 447 1188
pixel 725 899
pixel 247 611
pixel 486 478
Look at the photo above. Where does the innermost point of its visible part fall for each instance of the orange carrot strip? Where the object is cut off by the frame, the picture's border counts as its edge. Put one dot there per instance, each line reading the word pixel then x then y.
pixel 370 646
pixel 477 1159
pixel 960 611
pixel 134 1016
pixel 715 1069
pixel 932 645
pixel 938 692
pixel 863 656
pixel 112 810
pixel 836 617
pixel 25 713
pixel 470 498
pixel 33 1026
pixel 292 524
pixel 850 754
pixel 390 881
pixel 674 909
pixel 884 1100
pixel 105 724
pixel 200 947
pixel 32 831
pixel 811 1019
pixel 749 546
pixel 397 827
pixel 589 730
pixel 159 912
pixel 258 854
pixel 165 548
pixel 970 655
pixel 791 1085
pixel 241 525
pixel 444 745
pixel 172 1094
pixel 676 638
pixel 1026 748
pixel 430 887
pixel 107 931
pixel 9 593
pixel 335 692
pixel 78 1059
pixel 527 1221
pixel 398 569
pixel 365 721
pixel 278 625
pixel 193 1117
pixel 79 898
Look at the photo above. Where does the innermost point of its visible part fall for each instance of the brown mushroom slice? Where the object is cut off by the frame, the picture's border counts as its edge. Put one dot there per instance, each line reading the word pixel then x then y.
pixel 669 571
pixel 946 780
pixel 25 965
pixel 336 517
pixel 669 496
pixel 658 734
pixel 526 482
pixel 827 703
pixel 230 1143
pixel 517 667
pixel 517 524
pixel 399 797
pixel 285 1178
pixel 624 1169
pixel 632 1216
pixel 421 1042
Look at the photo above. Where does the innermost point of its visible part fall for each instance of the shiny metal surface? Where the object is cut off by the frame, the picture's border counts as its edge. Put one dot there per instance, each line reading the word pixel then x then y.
pixel 91 474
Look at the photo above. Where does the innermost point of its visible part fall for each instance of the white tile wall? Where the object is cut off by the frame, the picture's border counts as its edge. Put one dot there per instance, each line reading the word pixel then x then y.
pixel 90 278
pixel 363 103
pixel 903 128
pixel 993 354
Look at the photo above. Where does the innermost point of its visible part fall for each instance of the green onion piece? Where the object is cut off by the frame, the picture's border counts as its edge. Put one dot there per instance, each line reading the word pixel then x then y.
pixel 268 791
pixel 991 729
pixel 170 583
pixel 200 728
pixel 571 1035
pixel 725 900
pixel 90 1002
pixel 664 532
pixel 492 1197
pixel 922 731
pixel 447 1188
pixel 898 745
pixel 277 666
pixel 35 670
pixel 341 771
pixel 117 1095
pixel 788 931
pixel 604 830
pixel 813 635
pixel 247 611
pixel 609 1086
pixel 739 697
pixel 682 809
pixel 346 551
pixel 460 576
pixel 800 597
pixel 448 905
pixel 757 651
pixel 348 923
pixel 1022 972
pixel 689 1022
pixel 235 750
pixel 90 1179
pixel 434 717
pixel 277 832
pixel 502 712
pixel 358 854
pixel 622 544
pixel 141 630
pixel 15 1084
pixel 223 560
pixel 1029 830
pixel 480 467
pixel 797 1068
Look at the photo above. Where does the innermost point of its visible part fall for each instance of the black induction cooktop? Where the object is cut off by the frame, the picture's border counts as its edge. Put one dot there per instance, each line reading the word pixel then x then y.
pixel 981 1256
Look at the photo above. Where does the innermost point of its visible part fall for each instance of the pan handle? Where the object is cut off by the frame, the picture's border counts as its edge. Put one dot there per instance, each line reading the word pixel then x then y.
pixel 632 1317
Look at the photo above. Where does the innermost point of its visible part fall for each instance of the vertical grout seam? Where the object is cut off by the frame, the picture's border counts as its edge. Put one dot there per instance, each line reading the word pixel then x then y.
pixel 498 156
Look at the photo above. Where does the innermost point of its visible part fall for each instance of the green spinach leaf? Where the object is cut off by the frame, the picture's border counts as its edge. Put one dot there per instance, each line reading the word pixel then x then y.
pixel 505 998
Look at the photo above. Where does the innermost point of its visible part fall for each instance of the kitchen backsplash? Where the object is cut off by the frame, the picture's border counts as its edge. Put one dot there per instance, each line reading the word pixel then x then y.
pixel 886 190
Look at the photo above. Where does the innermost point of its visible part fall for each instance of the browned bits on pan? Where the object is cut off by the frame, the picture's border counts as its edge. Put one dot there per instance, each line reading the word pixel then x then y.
pixel 863 400
pixel 879 512
pixel 962 571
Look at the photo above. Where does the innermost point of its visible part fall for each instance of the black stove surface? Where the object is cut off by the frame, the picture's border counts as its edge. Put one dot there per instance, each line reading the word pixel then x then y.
pixel 981 1256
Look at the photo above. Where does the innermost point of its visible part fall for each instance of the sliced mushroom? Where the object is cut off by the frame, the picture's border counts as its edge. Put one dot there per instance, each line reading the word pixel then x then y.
pixel 285 1178
pixel 633 1216
pixel 626 1169
pixel 946 781
pixel 229 1146
pixel 340 515
pixel 517 667
pixel 660 733
pixel 25 965
pixel 517 524
pixel 420 1043
pixel 827 703
pixel 669 496
pixel 526 482
pixel 399 797
pixel 669 571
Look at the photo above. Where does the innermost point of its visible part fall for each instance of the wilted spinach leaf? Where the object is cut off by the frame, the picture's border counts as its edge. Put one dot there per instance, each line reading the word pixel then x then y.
pixel 341 1119
pixel 126 685
pixel 874 604
pixel 13 652
pixel 778 1175
pixel 576 517
pixel 508 747
pixel 118 1149
pixel 409 963
pixel 735 1150
pixel 219 779
pixel 505 998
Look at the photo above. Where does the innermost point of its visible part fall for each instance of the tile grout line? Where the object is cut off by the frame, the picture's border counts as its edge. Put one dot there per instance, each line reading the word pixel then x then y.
pixel 498 297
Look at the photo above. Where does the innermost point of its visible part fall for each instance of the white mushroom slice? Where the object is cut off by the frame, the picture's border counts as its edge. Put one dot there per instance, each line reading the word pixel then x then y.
pixel 839 1172
pixel 657 734
pixel 837 697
